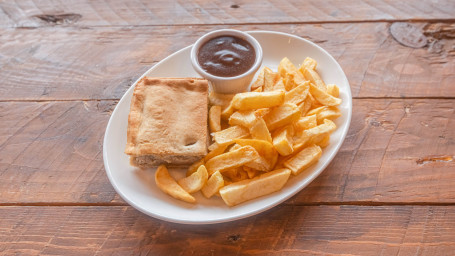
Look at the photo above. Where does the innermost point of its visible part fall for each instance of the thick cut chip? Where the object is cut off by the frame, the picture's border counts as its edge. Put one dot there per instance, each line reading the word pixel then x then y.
pixel 193 168
pixel 306 122
pixel 261 185
pixel 226 136
pixel 195 181
pixel 259 82
pixel 216 150
pixel 227 111
pixel 255 100
pixel 231 159
pixel 305 106
pixel 316 134
pixel 218 99
pixel 289 82
pixel 279 85
pixel 316 111
pixel 303 159
pixel 297 94
pixel 314 78
pixel 286 67
pixel 213 146
pixel 328 113
pixel 282 140
pixel 260 164
pixel 234 147
pixel 260 131
pixel 215 118
pixel 235 174
pixel 282 115
pixel 213 185
pixel 323 97
pixel 261 112
pixel 245 118
pixel 268 154
pixel 264 148
pixel 314 102
pixel 168 185
pixel 270 79
pixel 333 90
pixel 309 63
pixel 324 142
pixel 251 172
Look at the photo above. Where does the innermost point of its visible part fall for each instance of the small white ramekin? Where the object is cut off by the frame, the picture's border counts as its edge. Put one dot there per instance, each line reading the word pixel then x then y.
pixel 233 84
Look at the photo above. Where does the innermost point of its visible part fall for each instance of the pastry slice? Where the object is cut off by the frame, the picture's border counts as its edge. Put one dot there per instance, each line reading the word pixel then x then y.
pixel 167 123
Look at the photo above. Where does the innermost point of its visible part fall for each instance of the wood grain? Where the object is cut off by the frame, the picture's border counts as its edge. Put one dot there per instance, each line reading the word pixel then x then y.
pixel 34 13
pixel 283 230
pixel 101 63
pixel 52 150
pixel 396 151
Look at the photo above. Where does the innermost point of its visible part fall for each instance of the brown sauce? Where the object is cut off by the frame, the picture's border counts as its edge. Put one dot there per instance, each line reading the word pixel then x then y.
pixel 226 56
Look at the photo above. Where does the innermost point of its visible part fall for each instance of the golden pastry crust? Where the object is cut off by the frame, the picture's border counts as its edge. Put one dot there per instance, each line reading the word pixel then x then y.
pixel 168 120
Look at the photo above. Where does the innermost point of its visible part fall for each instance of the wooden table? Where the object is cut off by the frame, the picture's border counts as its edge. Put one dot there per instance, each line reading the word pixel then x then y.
pixel 64 65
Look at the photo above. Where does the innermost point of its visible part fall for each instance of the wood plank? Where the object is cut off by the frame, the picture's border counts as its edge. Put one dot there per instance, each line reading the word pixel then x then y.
pixel 396 151
pixel 283 230
pixel 52 151
pixel 88 63
pixel 34 13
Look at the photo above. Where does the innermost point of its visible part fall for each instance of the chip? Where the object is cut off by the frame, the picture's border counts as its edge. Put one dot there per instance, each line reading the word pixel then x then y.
pixel 298 94
pixel 270 79
pixel 315 134
pixel 227 111
pixel 193 168
pixel 324 142
pixel 268 154
pixel 235 174
pixel 303 159
pixel 259 82
pixel 314 78
pixel 228 135
pixel 213 185
pixel 260 131
pixel 286 67
pixel 231 159
pixel 215 118
pixel 305 106
pixel 333 90
pixel 251 172
pixel 239 192
pixel 282 115
pixel 218 99
pixel 245 118
pixel 195 181
pixel 168 185
pixel 255 100
pixel 306 122
pixel 282 140
pixel 309 63
pixel 215 150
pixel 323 97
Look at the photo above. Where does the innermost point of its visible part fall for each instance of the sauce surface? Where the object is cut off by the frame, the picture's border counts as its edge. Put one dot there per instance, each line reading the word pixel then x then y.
pixel 226 56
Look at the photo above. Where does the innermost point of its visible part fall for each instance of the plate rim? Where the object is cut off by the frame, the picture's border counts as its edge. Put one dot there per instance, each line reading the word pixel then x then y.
pixel 310 179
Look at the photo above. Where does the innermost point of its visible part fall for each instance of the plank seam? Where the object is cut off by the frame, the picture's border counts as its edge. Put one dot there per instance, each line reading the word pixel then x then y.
pixel 75 25
pixel 355 98
pixel 347 203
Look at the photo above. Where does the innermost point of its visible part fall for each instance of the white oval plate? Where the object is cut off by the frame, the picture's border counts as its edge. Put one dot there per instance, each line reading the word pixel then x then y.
pixel 138 187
